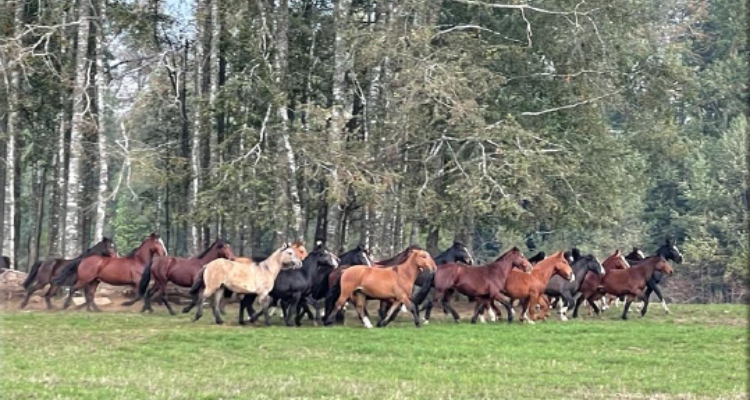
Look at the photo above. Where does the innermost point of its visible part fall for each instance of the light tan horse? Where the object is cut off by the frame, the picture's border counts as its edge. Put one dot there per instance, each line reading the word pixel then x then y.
pixel 244 279
pixel 393 284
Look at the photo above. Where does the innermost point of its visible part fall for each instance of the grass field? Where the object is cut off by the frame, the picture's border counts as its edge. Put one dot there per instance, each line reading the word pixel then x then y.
pixel 697 352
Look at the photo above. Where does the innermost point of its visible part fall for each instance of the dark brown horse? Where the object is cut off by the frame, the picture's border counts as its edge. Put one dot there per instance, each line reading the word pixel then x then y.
pixel 42 272
pixel 590 286
pixel 178 270
pixel 121 271
pixel 482 281
pixel 632 282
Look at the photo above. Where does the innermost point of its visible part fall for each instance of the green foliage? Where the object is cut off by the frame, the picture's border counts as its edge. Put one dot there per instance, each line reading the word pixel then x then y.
pixel 130 224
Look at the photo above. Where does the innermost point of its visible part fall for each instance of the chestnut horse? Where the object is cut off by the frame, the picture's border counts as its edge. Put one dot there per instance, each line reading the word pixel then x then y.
pixel 178 270
pixel 529 288
pixel 393 284
pixel 242 278
pixel 589 287
pixel 41 272
pixel 118 271
pixel 633 281
pixel 482 281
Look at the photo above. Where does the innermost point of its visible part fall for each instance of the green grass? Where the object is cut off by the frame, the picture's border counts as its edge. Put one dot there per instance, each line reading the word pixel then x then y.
pixel 697 352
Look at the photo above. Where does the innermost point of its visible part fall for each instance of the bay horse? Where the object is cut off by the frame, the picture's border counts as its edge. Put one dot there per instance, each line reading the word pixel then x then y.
pixel 483 281
pixel 589 288
pixel 119 271
pixel 41 272
pixel 178 270
pixel 394 284
pixel 633 257
pixel 567 290
pixel 242 278
pixel 633 281
pixel 292 286
pixel 529 288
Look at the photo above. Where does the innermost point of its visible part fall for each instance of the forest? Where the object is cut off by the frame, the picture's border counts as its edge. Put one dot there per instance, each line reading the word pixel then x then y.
pixel 540 124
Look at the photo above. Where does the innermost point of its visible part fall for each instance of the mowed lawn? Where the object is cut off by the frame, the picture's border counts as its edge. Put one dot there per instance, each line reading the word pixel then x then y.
pixel 697 352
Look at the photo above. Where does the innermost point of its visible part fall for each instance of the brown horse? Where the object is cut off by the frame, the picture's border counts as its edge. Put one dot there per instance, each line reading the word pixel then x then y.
pixel 255 279
pixel 178 270
pixel 42 272
pixel 632 282
pixel 393 284
pixel 119 271
pixel 482 281
pixel 529 288
pixel 589 287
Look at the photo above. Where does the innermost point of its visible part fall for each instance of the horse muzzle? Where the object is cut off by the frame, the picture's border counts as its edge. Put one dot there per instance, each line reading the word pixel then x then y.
pixel 572 277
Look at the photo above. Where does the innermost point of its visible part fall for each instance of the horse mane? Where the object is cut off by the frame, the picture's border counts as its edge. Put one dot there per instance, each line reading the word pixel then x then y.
pixel 538 257
pixel 153 235
pixel 214 244
pixel 507 253
pixel 400 257
pixel 90 250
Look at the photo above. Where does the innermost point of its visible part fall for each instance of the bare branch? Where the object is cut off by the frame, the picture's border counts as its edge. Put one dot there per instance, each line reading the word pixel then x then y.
pixel 567 106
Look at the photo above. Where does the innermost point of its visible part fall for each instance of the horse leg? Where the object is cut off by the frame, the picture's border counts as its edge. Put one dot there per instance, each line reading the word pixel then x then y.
pixel 390 314
pixel 385 306
pixel 567 301
pixel 446 304
pixel 478 310
pixel 89 292
pixel 293 305
pixel 29 291
pixel 218 294
pixel 627 306
pixel 165 300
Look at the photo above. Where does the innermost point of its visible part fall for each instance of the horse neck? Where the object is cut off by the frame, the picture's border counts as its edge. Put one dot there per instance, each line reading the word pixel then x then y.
pixel 502 266
pixel 273 264
pixel 208 256
pixel 408 269
pixel 543 271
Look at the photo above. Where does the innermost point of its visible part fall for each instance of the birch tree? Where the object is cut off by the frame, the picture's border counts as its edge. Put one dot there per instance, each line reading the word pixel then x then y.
pixel 80 108
pixel 102 90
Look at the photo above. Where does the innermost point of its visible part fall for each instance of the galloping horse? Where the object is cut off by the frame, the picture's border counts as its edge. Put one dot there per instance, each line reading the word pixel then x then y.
pixel 393 284
pixel 41 272
pixel 631 282
pixel 528 288
pixel 483 281
pixel 589 287
pixel 293 285
pixel 566 290
pixel 242 278
pixel 670 252
pixel 178 270
pixel 119 271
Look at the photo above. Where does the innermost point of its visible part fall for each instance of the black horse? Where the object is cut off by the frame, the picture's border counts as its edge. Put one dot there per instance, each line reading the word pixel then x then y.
pixel 538 257
pixel 292 286
pixel 669 251
pixel 566 290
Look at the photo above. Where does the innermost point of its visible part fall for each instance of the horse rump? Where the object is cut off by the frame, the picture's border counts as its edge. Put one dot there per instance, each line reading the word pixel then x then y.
pixel 68 275
pixel 32 274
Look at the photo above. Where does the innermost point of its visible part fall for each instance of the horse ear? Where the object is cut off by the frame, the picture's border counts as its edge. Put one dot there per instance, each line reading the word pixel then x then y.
pixel 319 243
pixel 617 252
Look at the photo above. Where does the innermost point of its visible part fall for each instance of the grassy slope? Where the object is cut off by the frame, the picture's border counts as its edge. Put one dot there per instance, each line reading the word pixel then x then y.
pixel 697 352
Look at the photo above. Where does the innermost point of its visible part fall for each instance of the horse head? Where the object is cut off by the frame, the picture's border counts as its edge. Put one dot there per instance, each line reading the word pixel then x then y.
pixel 562 268
pixel 224 250
pixel 461 253
pixel 592 264
pixel 290 256
pixel 422 259
pixel 616 261
pixel 156 245
pixel 518 260
pixel 299 248
pixel 670 252
pixel 663 265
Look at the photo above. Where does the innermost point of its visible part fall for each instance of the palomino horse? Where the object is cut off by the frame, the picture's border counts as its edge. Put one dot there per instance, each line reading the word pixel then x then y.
pixel 566 290
pixel 529 288
pixel 631 282
pixel 393 284
pixel 292 286
pixel 242 278
pixel 589 287
pixel 41 272
pixel 178 270
pixel 483 281
pixel 119 271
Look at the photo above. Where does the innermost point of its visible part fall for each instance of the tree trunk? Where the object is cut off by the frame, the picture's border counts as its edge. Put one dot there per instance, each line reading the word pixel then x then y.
pixel 38 190
pixel 102 90
pixel 281 61
pixel 183 207
pixel 339 114
pixel 203 79
pixel 72 228
pixel 12 169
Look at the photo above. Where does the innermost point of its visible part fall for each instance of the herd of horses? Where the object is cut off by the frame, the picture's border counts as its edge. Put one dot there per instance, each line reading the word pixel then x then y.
pixel 294 280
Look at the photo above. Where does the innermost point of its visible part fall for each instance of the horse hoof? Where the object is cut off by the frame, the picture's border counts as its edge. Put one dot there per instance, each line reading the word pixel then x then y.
pixel 219 322
pixel 426 322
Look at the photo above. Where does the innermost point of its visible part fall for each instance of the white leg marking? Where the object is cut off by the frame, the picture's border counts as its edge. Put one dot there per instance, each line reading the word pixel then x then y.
pixel 403 309
pixel 481 319
pixel 271 311
pixel 563 313
pixel 493 316
pixel 664 306
pixel 367 322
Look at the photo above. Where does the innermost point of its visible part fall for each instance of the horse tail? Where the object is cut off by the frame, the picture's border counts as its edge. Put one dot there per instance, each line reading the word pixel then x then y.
pixel 199 283
pixel 424 290
pixel 68 274
pixel 32 274
pixel 146 279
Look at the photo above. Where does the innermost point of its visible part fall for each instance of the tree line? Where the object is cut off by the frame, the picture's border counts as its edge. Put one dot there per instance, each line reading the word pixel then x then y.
pixel 600 125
